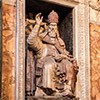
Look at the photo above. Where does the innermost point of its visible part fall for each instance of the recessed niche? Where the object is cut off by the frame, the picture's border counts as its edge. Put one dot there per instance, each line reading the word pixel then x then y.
pixel 65 27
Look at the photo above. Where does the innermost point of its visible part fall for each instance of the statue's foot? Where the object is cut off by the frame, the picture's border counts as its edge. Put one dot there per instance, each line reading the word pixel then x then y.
pixel 48 91
pixel 68 93
pixel 65 93
pixel 39 92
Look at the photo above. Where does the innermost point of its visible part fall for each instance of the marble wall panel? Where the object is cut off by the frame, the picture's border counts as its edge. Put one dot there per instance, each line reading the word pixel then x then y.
pixel 95 61
pixel 8 51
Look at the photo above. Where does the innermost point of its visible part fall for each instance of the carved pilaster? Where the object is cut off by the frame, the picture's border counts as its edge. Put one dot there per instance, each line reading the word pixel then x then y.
pixel 82 50
pixel 20 51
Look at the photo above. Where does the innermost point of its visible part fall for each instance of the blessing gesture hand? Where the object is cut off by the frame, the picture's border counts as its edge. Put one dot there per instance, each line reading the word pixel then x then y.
pixel 39 18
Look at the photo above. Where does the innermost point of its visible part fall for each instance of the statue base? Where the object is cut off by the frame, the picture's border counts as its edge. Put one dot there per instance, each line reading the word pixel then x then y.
pixel 50 98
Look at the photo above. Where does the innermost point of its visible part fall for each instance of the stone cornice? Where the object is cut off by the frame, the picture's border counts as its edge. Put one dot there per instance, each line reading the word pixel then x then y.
pixel 69 3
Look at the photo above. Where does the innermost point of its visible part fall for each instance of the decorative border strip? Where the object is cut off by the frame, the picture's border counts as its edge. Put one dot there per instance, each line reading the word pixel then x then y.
pixel 82 50
pixel 20 50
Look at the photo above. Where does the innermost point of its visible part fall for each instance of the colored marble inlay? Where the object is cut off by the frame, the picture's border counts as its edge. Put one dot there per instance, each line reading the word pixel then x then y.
pixel 8 51
pixel 95 61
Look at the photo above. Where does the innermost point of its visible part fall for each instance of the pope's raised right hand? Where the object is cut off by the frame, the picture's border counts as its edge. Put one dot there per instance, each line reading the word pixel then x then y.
pixel 39 19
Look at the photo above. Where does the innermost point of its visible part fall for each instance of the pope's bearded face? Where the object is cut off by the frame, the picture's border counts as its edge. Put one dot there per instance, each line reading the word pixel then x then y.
pixel 53 26
pixel 52 29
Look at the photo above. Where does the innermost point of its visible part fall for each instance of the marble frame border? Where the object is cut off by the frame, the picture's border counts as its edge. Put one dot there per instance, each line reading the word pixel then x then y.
pixel 81 47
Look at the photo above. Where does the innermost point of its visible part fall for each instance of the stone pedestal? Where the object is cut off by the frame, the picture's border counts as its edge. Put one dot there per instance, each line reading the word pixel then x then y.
pixel 50 98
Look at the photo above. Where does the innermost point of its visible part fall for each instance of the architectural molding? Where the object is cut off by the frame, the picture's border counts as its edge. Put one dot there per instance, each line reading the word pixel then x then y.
pixel 68 3
pixel 20 51
pixel 95 6
pixel 81 47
